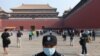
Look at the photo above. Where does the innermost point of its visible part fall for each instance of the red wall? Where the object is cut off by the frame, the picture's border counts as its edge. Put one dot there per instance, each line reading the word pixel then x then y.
pixel 0 24
pixel 38 23
pixel 87 16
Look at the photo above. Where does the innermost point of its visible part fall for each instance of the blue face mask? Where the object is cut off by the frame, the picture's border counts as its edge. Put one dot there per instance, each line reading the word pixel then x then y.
pixel 49 51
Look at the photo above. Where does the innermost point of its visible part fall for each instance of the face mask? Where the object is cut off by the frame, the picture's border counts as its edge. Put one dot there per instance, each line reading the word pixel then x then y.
pixel 49 51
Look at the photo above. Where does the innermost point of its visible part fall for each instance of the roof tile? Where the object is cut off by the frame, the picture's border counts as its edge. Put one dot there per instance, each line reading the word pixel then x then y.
pixel 33 6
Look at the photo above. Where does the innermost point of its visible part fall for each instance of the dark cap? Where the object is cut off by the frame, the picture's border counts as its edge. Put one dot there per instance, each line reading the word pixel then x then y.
pixel 49 40
pixel 5 30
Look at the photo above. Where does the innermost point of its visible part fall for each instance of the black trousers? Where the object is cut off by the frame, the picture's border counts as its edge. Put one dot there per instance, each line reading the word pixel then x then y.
pixel 71 38
pixel 64 37
pixel 30 37
pixel 84 49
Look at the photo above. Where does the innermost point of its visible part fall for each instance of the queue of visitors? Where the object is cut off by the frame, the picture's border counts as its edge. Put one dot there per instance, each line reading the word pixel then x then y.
pixel 50 41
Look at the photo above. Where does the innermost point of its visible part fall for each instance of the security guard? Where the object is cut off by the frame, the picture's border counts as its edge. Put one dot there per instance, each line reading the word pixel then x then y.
pixel 49 43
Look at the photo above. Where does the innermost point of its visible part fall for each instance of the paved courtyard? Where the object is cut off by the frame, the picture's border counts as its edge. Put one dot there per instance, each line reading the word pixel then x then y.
pixel 30 48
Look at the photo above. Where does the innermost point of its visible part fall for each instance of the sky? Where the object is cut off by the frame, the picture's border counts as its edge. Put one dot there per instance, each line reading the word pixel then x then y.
pixel 61 5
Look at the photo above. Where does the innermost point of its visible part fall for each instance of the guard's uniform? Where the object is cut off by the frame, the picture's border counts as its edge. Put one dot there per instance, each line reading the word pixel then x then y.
pixel 52 41
pixel 43 54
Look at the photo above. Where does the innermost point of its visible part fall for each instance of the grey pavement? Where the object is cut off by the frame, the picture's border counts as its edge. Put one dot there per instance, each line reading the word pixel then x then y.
pixel 29 48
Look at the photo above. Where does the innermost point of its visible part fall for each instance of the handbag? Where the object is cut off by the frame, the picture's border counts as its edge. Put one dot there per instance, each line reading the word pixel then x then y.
pixel 8 41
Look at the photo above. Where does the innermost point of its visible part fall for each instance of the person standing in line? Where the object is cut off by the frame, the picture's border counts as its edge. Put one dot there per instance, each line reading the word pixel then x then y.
pixel 64 35
pixel 5 40
pixel 72 38
pixel 30 35
pixel 19 34
pixel 34 34
pixel 71 35
pixel 93 35
pixel 83 41
pixel 49 43
pixel 37 33
pixel 41 32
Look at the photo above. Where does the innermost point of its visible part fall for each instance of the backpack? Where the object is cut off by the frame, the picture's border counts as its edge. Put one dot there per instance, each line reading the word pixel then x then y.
pixel 8 41
pixel 88 39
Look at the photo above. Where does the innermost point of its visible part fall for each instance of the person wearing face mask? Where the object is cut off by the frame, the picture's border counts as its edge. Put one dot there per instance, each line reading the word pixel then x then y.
pixel 49 43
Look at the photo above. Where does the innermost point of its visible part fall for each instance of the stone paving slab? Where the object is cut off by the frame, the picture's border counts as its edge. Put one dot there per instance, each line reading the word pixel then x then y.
pixel 30 48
